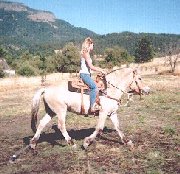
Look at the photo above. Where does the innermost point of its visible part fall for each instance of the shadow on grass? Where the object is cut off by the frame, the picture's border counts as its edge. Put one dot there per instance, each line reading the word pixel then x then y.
pixel 52 138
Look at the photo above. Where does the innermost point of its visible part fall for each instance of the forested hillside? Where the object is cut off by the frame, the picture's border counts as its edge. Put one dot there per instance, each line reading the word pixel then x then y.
pixel 26 28
pixel 161 43
pixel 29 37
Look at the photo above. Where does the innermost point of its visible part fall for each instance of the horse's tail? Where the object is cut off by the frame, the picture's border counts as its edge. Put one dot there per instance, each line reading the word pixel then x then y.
pixel 35 108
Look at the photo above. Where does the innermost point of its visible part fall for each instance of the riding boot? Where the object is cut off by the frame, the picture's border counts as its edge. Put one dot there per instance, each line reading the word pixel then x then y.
pixel 96 106
pixel 93 111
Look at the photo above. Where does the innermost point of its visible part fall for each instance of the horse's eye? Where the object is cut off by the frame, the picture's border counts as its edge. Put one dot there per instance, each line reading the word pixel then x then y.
pixel 139 78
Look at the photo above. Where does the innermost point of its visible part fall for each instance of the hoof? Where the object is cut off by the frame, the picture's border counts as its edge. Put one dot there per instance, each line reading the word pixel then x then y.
pixel 12 159
pixel 74 146
pixel 85 146
pixel 33 144
pixel 86 143
pixel 34 152
pixel 130 144
pixel 70 142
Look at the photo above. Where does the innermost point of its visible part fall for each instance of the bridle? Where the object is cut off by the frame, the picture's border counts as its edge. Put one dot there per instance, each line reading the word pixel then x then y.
pixel 137 84
pixel 108 82
pixel 114 86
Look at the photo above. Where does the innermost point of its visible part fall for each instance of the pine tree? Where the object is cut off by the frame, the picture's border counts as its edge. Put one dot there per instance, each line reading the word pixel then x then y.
pixel 144 51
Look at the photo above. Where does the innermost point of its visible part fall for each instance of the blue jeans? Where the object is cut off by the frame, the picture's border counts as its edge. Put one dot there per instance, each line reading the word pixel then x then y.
pixel 86 78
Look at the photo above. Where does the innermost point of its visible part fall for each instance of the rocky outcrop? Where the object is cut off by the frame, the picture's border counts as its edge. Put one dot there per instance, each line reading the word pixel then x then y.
pixel 34 15
pixel 4 64
pixel 12 6
pixel 42 16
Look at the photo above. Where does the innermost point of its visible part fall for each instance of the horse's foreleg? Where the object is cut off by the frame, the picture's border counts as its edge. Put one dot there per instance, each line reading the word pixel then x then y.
pixel 98 130
pixel 43 122
pixel 115 121
pixel 129 99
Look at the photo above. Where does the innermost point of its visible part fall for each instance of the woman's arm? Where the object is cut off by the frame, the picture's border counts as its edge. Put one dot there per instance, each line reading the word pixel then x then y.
pixel 91 66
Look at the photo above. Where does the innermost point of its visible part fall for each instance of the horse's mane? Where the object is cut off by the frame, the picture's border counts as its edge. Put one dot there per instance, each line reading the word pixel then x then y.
pixel 118 74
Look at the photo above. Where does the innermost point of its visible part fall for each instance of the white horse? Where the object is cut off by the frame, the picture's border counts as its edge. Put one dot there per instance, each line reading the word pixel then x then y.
pixel 119 82
pixel 58 100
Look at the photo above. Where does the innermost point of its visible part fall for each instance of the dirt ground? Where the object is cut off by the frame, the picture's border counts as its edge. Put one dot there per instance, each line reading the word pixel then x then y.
pixel 152 123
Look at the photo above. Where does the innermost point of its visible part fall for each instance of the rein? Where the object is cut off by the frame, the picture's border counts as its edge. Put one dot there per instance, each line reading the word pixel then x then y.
pixel 115 86
pixel 108 82
pixel 114 71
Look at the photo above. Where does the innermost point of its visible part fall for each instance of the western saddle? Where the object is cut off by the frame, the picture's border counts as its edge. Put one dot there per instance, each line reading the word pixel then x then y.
pixel 77 85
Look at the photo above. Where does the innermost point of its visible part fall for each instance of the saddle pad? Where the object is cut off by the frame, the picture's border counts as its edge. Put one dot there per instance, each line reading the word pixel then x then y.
pixel 76 85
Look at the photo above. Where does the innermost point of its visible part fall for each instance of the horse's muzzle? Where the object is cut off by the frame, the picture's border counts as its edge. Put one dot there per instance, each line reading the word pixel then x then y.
pixel 146 90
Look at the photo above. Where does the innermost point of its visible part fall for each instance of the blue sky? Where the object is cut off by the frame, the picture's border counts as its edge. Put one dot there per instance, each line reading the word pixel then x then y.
pixel 108 16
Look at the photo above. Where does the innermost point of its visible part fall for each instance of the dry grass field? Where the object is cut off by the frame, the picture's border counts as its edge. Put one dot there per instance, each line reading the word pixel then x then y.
pixel 152 123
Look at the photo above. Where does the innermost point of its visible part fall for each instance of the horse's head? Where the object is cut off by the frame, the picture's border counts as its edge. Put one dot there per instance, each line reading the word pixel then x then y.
pixel 121 80
pixel 137 84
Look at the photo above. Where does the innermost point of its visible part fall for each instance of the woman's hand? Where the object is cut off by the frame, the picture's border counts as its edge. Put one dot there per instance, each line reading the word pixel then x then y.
pixel 103 72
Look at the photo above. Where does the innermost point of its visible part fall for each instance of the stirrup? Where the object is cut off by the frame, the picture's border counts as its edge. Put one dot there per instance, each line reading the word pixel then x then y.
pixel 93 112
pixel 97 107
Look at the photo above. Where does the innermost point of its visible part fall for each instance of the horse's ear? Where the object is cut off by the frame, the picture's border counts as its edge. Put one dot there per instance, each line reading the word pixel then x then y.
pixel 135 71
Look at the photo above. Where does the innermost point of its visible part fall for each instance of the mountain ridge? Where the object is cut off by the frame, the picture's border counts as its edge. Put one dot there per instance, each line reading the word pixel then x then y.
pixel 34 15
pixel 26 28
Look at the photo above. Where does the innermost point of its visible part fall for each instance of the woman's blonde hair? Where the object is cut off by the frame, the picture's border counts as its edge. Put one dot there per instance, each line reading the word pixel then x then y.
pixel 86 44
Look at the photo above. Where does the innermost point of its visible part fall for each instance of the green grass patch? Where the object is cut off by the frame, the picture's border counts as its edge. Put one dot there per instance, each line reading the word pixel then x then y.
pixel 170 130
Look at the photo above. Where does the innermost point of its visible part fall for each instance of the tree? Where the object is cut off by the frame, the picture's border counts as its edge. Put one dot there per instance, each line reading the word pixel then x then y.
pixel 2 74
pixel 68 60
pixel 27 70
pixel 116 56
pixel 2 52
pixel 173 57
pixel 52 63
pixel 144 51
pixel 2 65
pixel 28 65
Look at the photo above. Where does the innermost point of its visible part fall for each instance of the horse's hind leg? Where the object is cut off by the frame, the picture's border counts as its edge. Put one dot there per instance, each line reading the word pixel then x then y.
pixel 43 122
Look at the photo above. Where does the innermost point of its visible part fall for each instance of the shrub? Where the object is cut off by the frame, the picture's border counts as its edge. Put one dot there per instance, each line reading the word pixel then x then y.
pixel 27 70
pixel 2 74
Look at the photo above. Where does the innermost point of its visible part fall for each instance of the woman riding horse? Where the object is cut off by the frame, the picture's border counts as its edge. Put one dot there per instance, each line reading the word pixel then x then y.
pixel 85 73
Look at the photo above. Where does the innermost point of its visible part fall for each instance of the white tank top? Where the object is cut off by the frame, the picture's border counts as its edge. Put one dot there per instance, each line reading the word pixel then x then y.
pixel 85 69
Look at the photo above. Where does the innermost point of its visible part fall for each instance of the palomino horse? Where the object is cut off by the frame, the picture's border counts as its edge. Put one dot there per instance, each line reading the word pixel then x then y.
pixel 58 100
pixel 120 82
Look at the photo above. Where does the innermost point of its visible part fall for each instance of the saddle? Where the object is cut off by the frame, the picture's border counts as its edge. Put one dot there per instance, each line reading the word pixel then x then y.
pixel 77 85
